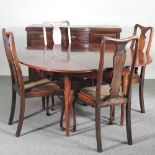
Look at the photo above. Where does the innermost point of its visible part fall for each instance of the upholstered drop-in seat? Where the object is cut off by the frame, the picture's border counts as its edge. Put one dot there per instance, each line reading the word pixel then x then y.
pixel 42 85
pixel 89 94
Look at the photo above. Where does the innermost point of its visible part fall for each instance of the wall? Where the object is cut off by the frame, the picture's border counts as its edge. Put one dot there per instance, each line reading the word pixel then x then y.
pixel 15 15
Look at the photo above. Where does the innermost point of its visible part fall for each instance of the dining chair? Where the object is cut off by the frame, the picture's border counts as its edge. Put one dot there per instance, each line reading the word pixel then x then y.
pixel 103 95
pixel 145 40
pixel 25 89
pixel 145 35
pixel 56 32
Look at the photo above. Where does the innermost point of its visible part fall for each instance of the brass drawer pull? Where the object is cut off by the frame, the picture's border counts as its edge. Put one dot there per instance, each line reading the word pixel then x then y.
pixel 73 37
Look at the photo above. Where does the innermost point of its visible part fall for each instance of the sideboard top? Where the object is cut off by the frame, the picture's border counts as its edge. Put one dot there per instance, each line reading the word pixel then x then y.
pixel 86 27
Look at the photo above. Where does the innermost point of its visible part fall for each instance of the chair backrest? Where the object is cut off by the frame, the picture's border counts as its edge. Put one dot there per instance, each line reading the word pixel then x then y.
pixel 56 28
pixel 145 35
pixel 10 50
pixel 119 59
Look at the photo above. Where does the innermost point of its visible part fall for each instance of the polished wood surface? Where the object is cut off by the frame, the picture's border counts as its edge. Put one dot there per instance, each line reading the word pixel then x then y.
pixel 82 61
pixel 81 35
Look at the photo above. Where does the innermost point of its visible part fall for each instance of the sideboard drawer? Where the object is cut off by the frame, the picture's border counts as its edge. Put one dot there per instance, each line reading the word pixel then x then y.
pixel 37 35
pixel 35 38
pixel 79 37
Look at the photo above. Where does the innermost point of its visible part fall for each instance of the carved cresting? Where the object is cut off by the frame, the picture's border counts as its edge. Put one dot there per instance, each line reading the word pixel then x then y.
pixel 118 63
pixel 142 38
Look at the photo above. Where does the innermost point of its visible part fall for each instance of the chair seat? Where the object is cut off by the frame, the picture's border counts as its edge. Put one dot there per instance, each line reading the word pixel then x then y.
pixel 91 91
pixel 89 94
pixel 42 86
pixel 135 78
pixel 35 83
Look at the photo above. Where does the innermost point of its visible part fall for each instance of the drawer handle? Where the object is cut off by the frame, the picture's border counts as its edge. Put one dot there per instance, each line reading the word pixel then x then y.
pixel 73 37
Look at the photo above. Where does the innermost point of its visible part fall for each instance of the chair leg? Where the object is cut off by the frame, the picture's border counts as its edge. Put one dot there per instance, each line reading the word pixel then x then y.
pixel 43 102
pixel 47 106
pixel 13 106
pixel 122 114
pixel 141 97
pixel 52 107
pixel 124 89
pixel 74 116
pixel 141 90
pixel 21 116
pixel 98 129
pixel 112 114
pixel 128 121
pixel 61 117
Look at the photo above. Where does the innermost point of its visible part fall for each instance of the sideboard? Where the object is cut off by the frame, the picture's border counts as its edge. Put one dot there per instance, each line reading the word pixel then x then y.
pixel 80 35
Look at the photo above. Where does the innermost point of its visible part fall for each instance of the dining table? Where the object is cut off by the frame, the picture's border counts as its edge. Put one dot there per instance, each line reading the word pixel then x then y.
pixel 75 61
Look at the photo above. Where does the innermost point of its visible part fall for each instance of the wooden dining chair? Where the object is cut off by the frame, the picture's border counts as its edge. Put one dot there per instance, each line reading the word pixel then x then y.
pixel 25 89
pixel 56 32
pixel 145 35
pixel 100 96
pixel 145 41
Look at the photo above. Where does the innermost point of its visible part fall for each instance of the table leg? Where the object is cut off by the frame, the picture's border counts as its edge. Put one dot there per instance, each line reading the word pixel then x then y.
pixel 68 101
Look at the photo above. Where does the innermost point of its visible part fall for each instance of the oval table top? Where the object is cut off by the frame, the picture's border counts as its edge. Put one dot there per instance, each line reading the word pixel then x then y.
pixel 80 61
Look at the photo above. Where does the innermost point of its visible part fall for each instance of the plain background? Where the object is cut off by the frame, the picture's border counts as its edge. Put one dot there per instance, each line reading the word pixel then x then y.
pixel 15 15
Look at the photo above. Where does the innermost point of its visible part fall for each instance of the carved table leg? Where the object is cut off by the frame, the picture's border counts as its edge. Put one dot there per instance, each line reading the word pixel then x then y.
pixel 74 117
